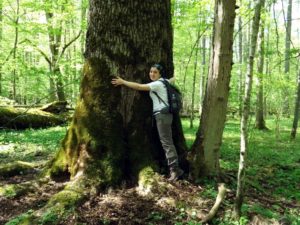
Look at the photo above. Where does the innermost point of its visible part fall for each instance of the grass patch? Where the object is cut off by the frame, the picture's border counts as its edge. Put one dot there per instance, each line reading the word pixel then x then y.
pixel 273 162
pixel 30 145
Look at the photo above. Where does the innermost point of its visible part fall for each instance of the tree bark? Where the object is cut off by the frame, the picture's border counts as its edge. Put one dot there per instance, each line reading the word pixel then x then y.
pixel 110 137
pixel 260 119
pixel 205 150
pixel 246 110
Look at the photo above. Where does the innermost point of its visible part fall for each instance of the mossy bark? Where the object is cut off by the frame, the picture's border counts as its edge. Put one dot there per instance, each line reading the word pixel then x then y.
pixel 27 118
pixel 15 168
pixel 111 138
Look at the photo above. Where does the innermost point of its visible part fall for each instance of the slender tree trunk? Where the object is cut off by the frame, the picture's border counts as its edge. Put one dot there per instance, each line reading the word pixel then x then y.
pixel 84 4
pixel 246 110
pixel 260 120
pixel 14 81
pixel 55 35
pixel 194 87
pixel 241 71
pixel 109 139
pixel 297 109
pixel 205 149
pixel 52 89
pixel 1 29
pixel 286 109
pixel 203 75
pixel 247 41
pixel 267 70
pixel 74 75
pixel 59 85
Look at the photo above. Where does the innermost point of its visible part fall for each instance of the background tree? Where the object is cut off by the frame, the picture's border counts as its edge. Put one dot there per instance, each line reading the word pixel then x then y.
pixel 209 136
pixel 297 109
pixel 288 26
pixel 259 119
pixel 246 110
pixel 14 51
pixel 1 33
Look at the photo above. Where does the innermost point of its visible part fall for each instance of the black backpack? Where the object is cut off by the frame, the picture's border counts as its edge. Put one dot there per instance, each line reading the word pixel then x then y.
pixel 174 97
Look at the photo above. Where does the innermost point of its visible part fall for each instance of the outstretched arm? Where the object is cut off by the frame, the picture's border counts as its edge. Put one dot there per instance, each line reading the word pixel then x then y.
pixel 133 85
pixel 172 80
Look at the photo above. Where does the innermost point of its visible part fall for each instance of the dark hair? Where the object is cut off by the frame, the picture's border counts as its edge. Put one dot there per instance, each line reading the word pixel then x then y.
pixel 160 69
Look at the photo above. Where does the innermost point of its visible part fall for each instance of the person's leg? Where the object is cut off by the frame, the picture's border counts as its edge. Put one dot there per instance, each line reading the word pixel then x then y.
pixel 164 127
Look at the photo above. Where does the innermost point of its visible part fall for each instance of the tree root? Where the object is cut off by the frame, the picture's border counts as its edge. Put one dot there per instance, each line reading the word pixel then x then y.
pixel 214 209
pixel 59 205
pixel 16 168
pixel 148 180
pixel 15 190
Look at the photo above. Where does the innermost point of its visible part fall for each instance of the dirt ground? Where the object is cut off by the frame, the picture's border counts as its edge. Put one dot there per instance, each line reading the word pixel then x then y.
pixel 169 203
pixel 122 206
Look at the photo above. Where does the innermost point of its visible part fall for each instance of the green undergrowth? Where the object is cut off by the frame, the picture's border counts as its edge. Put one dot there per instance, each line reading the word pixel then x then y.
pixel 273 167
pixel 30 145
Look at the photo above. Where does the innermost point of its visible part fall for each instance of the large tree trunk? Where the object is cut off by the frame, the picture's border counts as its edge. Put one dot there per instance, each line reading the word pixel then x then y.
pixel 246 111
pixel 110 137
pixel 260 119
pixel 205 149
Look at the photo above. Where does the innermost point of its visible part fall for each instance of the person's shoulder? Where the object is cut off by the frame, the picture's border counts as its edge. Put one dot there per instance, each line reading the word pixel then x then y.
pixel 155 85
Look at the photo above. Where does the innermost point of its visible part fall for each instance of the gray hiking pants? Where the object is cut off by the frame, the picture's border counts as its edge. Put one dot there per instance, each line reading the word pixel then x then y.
pixel 164 127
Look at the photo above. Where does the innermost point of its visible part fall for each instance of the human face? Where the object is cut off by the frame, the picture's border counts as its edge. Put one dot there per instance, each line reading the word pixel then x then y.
pixel 154 74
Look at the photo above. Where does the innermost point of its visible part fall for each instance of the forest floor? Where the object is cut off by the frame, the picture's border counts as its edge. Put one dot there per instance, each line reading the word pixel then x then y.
pixel 272 194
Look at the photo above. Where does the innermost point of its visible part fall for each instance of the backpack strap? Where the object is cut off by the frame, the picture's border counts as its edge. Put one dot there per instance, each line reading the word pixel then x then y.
pixel 154 92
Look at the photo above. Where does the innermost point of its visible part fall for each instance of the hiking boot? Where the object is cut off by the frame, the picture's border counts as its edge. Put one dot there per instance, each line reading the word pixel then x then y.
pixel 175 174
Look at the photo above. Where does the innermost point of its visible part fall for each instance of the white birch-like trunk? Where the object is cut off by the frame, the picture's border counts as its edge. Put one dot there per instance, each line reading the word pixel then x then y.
pixel 241 72
pixel 246 110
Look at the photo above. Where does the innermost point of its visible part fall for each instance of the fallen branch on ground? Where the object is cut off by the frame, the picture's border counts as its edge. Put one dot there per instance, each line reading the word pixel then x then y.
pixel 27 118
pixel 214 209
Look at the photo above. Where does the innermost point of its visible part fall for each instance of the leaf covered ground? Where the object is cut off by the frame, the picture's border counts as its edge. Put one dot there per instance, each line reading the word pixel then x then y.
pixel 272 195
